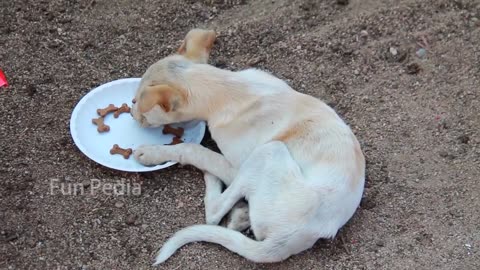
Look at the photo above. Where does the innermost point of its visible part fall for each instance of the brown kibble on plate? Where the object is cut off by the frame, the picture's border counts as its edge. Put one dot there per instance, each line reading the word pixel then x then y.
pixel 177 132
pixel 101 127
pixel 110 108
pixel 121 151
pixel 123 109
pixel 175 140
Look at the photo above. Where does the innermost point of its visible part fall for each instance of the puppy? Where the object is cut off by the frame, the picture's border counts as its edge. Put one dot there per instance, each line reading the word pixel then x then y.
pixel 288 154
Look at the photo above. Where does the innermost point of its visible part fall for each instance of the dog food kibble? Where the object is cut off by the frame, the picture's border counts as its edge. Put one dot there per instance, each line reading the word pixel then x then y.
pixel 123 109
pixel 118 150
pixel 134 100
pixel 177 132
pixel 107 110
pixel 175 140
pixel 101 127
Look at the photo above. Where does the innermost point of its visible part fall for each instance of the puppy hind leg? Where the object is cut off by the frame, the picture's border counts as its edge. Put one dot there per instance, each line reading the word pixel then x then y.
pixel 256 171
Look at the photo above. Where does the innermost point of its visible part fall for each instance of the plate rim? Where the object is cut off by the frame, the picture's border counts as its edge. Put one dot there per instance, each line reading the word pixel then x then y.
pixel 82 148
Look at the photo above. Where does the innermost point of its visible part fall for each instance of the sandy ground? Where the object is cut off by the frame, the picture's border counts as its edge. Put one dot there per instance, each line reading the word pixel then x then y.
pixel 418 120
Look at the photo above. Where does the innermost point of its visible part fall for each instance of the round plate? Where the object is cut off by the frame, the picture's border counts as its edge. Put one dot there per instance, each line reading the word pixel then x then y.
pixel 124 130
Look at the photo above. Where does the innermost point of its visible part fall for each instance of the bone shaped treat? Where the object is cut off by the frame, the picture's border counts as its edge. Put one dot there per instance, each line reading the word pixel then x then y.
pixel 101 127
pixel 123 109
pixel 177 132
pixel 175 140
pixel 121 151
pixel 110 108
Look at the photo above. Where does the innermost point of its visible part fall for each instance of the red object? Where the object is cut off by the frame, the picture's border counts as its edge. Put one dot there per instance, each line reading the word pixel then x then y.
pixel 3 79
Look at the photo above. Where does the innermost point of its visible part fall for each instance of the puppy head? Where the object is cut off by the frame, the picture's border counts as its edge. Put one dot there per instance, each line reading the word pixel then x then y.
pixel 160 100
pixel 159 104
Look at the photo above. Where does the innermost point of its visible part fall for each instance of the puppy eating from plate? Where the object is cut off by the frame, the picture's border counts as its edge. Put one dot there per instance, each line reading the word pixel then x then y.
pixel 289 155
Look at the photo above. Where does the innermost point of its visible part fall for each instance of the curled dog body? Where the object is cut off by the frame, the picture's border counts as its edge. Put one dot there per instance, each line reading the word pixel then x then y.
pixel 288 154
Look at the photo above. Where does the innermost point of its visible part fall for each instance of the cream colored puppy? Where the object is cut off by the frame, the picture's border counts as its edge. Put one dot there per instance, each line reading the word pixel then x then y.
pixel 289 155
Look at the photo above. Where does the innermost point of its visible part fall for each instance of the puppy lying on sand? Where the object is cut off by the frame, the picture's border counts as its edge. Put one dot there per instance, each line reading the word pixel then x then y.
pixel 289 155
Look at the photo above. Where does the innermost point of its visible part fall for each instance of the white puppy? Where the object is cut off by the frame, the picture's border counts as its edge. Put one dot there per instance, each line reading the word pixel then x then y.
pixel 289 155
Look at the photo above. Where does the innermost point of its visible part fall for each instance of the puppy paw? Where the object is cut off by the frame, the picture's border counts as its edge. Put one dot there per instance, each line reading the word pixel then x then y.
pixel 150 155
pixel 238 218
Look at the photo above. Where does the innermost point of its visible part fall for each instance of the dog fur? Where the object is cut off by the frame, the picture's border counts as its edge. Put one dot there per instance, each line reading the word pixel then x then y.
pixel 288 154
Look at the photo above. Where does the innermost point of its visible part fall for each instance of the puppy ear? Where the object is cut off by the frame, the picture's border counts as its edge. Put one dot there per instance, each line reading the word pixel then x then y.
pixel 167 97
pixel 183 48
pixel 197 45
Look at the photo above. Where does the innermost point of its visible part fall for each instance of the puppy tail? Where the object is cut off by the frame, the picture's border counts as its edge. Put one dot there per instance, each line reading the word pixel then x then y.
pixel 257 251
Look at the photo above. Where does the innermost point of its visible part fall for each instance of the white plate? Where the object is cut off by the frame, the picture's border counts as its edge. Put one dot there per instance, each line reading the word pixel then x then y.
pixel 124 130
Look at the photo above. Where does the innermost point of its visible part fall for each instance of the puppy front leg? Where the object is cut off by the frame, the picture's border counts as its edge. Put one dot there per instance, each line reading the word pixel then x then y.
pixel 187 153
pixel 213 191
